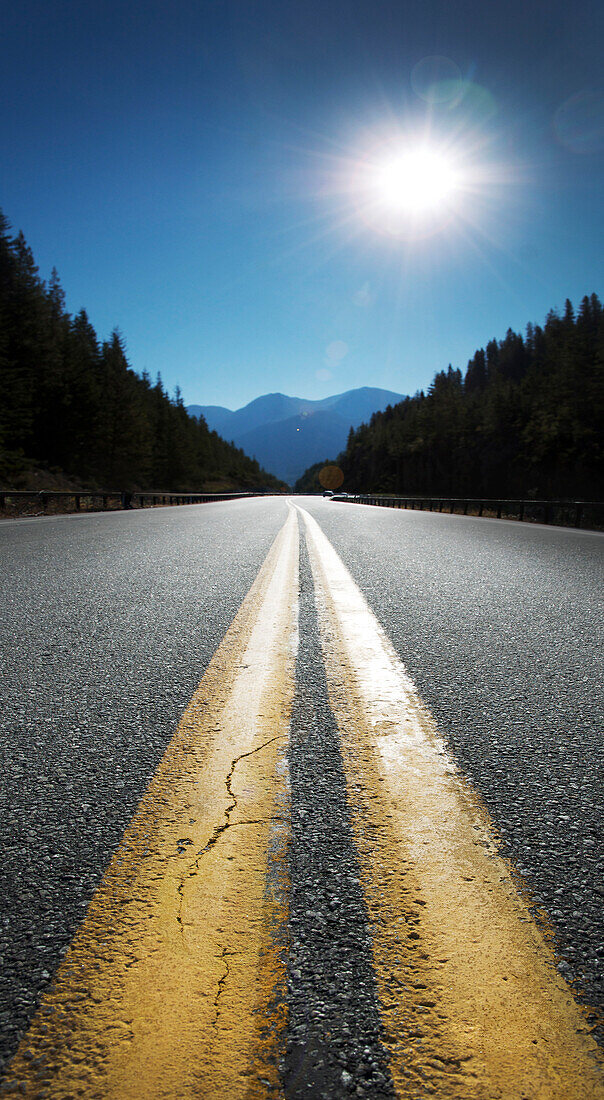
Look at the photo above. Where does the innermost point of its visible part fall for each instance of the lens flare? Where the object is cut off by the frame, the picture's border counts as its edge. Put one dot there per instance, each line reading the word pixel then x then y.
pixel 331 477
pixel 579 122
pixel 437 80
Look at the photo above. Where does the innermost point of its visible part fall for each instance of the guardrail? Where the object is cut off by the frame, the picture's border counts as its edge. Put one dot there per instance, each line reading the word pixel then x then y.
pixel 117 499
pixel 564 513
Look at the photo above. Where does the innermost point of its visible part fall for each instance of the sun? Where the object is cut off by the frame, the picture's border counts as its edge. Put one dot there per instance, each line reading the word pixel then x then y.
pixel 412 186
pixel 415 181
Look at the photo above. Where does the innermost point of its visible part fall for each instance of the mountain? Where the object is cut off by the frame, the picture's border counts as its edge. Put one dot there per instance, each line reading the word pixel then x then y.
pixel 263 410
pixel 292 445
pixel 288 434
pixel 217 414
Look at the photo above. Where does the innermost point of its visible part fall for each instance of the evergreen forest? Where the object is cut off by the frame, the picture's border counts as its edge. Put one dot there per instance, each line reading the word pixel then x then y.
pixel 525 420
pixel 71 405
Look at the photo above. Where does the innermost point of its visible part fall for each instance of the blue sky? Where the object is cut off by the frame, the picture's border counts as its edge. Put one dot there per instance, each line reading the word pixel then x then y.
pixel 197 172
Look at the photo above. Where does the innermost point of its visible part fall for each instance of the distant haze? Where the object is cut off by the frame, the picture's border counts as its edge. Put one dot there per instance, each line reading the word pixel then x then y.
pixel 289 434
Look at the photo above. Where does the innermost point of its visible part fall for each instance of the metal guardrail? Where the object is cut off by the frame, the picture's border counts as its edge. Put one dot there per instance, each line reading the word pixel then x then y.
pixel 565 513
pixel 125 499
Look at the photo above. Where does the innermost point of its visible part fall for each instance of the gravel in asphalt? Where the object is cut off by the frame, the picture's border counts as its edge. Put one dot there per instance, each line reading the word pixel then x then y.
pixel 333 1045
pixel 107 623
pixel 500 626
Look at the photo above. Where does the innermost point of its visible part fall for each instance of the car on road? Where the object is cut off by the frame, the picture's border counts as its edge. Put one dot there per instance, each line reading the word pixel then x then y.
pixel 327 493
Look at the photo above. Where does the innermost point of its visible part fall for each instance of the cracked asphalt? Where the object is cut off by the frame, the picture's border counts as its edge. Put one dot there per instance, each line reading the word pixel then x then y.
pixel 107 624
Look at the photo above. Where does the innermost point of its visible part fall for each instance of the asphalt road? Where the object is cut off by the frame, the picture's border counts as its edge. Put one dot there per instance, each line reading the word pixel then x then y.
pixel 109 621
pixel 107 624
pixel 331 982
pixel 500 626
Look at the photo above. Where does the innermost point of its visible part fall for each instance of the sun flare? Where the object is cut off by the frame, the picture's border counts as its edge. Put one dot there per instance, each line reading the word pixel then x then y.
pixel 415 182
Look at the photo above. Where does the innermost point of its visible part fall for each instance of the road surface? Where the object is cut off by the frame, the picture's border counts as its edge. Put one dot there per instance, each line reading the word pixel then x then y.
pixel 164 652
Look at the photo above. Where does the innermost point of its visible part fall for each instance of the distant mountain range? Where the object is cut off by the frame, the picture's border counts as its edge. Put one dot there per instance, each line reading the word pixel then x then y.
pixel 288 434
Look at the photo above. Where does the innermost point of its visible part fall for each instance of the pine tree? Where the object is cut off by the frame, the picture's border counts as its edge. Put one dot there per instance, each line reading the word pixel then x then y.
pixel 527 418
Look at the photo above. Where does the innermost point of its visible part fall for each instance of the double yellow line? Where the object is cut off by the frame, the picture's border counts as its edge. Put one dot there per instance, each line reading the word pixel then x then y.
pixel 175 984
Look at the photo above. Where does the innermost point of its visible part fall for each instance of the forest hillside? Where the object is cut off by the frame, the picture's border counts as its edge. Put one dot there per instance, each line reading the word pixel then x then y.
pixel 526 419
pixel 71 406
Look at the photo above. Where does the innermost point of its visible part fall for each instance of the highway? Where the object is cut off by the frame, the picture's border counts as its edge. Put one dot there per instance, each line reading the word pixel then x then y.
pixel 285 647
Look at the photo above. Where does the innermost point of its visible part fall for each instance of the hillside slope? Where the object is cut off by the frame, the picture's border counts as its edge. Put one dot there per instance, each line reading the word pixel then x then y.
pixel 287 434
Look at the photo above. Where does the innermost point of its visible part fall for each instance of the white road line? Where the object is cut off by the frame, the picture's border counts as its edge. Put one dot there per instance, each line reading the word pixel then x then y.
pixel 459 959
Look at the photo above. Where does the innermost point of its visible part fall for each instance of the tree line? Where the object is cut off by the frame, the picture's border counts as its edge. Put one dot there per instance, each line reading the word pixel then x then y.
pixel 525 420
pixel 71 403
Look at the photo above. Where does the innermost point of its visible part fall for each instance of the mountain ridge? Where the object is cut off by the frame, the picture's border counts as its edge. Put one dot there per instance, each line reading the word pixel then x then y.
pixel 288 434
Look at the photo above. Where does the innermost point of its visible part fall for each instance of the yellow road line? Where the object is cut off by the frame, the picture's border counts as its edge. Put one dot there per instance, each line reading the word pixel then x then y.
pixel 473 1006
pixel 173 986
